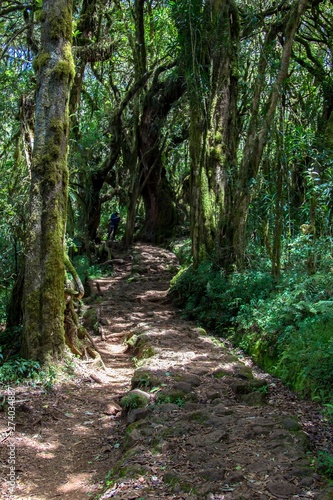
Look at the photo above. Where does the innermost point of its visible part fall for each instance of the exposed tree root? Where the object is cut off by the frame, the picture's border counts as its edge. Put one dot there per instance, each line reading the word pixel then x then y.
pixel 77 338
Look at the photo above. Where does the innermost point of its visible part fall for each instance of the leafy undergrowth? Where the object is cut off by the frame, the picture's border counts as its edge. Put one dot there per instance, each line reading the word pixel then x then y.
pixel 15 370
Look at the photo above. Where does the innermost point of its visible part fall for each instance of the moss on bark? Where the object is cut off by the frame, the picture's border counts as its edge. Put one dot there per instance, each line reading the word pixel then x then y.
pixel 44 301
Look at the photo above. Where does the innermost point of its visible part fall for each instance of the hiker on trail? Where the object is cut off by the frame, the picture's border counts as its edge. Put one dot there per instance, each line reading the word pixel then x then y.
pixel 114 222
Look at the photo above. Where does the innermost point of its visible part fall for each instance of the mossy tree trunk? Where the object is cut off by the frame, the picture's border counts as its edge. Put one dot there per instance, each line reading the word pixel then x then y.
pixel 221 154
pixel 157 102
pixel 262 116
pixel 279 199
pixel 210 43
pixel 221 190
pixel 159 204
pixel 44 302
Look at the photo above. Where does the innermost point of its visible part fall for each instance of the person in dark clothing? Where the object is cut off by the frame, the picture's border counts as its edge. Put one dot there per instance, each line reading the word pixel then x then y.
pixel 114 222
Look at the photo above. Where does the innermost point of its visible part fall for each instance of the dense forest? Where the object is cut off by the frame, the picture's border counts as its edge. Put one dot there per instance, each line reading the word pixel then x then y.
pixel 208 125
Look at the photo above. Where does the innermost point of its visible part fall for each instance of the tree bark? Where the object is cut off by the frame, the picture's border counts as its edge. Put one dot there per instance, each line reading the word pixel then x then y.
pixel 159 206
pixel 43 302
pixel 279 199
pixel 259 129
pixel 212 86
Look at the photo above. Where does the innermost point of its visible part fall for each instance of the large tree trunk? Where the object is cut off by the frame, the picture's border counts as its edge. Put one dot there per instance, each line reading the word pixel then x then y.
pixel 159 205
pixel 43 303
pixel 212 93
pixel 278 216
pixel 198 188
pixel 259 129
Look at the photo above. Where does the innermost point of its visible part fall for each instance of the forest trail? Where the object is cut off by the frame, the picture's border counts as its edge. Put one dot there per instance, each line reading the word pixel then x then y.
pixel 215 428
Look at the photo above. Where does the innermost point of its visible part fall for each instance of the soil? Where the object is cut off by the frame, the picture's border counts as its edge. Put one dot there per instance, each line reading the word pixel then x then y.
pixel 198 421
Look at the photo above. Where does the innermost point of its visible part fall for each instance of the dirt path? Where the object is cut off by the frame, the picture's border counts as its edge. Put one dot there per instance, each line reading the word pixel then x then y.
pixel 215 427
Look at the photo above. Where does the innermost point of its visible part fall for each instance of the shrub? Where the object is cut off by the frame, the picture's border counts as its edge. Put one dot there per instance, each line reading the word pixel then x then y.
pixel 17 369
pixel 325 463
pixel 215 299
pixel 306 355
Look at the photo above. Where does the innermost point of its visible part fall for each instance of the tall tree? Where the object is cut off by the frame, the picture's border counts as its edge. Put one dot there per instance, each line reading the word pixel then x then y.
pixel 222 178
pixel 262 116
pixel 44 305
pixel 209 35
pixel 156 194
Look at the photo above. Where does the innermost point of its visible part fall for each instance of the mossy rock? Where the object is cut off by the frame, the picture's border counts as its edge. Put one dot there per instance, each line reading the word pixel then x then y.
pixel 136 433
pixel 220 373
pixel 189 378
pixel 132 439
pixel 253 399
pixel 243 371
pixel 128 454
pixel 164 408
pixel 159 445
pixel 175 431
pixel 290 424
pixel 145 378
pixel 137 414
pixel 135 399
pixel 197 416
pixel 174 396
pixel 183 387
pixel 130 472
pixel 177 483
pixel 132 426
pixel 259 385
pixel 141 345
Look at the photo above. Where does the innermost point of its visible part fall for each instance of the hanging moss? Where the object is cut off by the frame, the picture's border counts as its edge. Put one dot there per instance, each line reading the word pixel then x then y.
pixel 40 61
pixel 68 56
pixel 202 252
pixel 64 70
pixel 216 153
pixel 207 200
pixel 53 152
pixel 234 69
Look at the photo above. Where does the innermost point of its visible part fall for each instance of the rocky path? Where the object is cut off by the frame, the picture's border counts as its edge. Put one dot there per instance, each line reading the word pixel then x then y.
pixel 175 414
